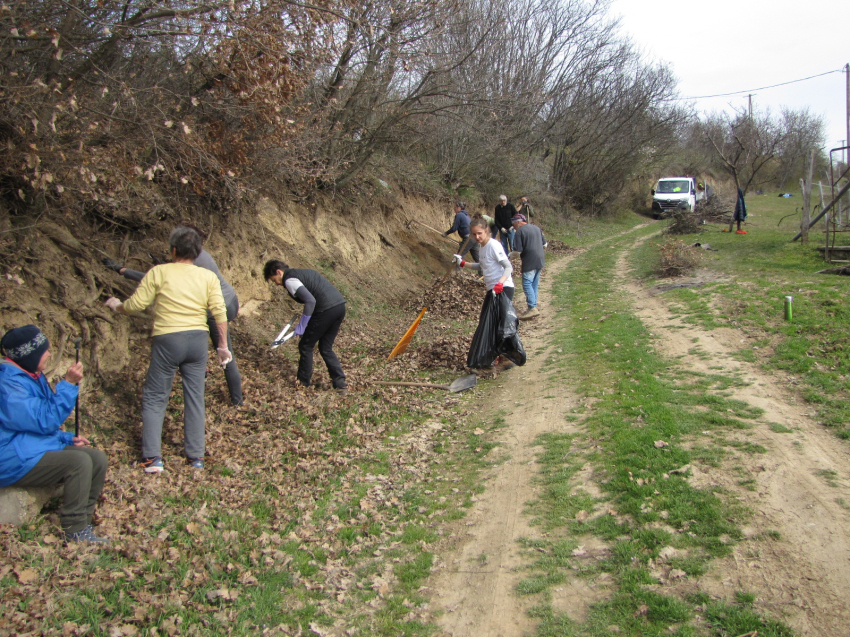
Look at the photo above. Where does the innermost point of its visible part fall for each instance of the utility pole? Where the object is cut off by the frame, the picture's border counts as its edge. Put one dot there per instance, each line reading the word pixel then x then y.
pixel 750 97
pixel 847 138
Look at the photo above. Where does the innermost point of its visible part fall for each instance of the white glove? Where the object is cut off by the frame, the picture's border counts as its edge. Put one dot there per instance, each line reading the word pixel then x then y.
pixel 457 259
pixel 224 356
pixel 112 303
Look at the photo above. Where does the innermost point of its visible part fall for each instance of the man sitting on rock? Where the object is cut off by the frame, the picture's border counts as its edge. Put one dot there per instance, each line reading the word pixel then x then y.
pixel 34 451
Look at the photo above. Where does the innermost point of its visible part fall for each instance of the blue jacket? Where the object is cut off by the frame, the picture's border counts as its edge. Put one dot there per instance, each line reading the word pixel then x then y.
pixel 461 224
pixel 30 416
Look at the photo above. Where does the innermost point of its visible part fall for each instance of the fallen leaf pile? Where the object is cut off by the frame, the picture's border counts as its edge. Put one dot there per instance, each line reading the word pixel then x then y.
pixel 276 470
pixel 558 247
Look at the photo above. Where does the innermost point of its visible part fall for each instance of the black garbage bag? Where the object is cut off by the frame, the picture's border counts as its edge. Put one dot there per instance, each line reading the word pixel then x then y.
pixel 482 352
pixel 508 320
pixel 507 341
pixel 497 334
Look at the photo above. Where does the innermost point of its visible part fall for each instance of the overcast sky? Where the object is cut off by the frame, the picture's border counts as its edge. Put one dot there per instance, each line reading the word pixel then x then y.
pixel 738 45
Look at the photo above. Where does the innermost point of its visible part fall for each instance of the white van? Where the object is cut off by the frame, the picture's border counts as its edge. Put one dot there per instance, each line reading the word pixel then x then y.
pixel 674 192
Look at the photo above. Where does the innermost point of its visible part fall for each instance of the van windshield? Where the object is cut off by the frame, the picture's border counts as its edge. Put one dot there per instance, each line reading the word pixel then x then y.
pixel 673 185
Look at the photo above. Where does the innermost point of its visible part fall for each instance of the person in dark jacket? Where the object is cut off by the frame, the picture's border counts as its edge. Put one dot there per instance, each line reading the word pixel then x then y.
pixel 740 213
pixel 231 302
pixel 504 213
pixel 529 242
pixel 461 226
pixel 34 450
pixel 324 312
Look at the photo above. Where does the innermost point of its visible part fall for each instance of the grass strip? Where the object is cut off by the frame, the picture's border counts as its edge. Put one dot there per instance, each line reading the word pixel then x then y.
pixel 755 272
pixel 641 418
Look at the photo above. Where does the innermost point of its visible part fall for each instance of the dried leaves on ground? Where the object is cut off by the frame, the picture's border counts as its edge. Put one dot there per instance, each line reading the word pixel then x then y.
pixel 291 491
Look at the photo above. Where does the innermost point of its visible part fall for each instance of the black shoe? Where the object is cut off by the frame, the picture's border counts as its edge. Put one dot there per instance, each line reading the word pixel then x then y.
pixel 112 265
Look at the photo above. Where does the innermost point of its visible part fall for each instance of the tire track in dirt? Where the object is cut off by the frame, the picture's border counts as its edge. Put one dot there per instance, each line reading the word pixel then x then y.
pixel 804 577
pixel 474 587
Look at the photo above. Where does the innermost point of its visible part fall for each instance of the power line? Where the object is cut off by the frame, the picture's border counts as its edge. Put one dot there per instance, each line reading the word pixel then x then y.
pixel 751 90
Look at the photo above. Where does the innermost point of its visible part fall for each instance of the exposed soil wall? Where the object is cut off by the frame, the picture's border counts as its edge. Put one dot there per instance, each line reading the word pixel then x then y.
pixel 51 272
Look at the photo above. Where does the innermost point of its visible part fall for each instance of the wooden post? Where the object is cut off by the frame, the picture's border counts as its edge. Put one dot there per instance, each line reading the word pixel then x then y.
pixel 804 222
pixel 806 187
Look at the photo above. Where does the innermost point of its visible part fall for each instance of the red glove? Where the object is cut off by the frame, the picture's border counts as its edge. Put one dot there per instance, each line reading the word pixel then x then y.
pixel 497 289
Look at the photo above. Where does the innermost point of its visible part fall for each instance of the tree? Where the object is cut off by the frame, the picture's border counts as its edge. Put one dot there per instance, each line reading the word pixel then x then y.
pixel 744 145
pixel 119 109
pixel 805 132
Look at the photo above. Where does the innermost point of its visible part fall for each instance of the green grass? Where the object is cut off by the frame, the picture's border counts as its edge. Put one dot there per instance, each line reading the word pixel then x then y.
pixel 639 398
pixel 756 272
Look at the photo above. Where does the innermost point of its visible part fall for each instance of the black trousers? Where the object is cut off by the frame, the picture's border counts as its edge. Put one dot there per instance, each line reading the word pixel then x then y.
pixel 82 470
pixel 322 329
pixel 471 247
pixel 231 371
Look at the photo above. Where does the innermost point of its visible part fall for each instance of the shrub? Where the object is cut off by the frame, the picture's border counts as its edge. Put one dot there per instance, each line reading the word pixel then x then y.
pixel 676 258
pixel 684 222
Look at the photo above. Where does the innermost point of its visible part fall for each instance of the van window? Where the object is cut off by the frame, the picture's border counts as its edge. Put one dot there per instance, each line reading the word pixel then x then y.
pixel 673 185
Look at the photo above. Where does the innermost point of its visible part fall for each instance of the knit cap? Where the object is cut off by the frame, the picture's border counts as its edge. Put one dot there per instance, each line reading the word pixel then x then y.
pixel 25 346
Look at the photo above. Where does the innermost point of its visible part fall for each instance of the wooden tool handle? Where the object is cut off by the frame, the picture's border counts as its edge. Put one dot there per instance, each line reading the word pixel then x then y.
pixel 398 382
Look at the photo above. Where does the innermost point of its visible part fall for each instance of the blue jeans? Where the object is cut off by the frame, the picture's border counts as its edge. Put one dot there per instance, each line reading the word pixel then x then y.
pixel 530 283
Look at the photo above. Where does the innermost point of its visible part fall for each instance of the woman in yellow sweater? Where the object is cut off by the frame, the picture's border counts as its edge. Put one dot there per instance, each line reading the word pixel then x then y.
pixel 181 293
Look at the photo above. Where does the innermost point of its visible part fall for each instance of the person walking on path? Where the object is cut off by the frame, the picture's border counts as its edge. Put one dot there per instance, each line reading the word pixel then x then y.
pixel 529 242
pixel 231 302
pixel 461 226
pixel 740 213
pixel 34 450
pixel 495 267
pixel 324 312
pixel 504 213
pixel 181 294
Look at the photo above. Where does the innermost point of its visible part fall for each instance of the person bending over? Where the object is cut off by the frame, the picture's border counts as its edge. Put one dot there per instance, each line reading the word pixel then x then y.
pixel 324 312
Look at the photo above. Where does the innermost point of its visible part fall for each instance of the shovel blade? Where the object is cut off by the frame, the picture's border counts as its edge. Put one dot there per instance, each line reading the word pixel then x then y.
pixel 464 383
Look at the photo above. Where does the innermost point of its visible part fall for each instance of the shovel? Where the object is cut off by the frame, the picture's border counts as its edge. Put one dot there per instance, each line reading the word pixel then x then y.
pixel 461 384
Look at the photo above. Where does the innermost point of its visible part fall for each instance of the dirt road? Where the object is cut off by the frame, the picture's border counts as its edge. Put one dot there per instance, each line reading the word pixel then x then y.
pixel 796 553
pixel 475 585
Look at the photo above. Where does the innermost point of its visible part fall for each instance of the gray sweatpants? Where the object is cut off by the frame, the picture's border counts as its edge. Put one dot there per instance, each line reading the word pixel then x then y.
pixel 82 470
pixel 186 351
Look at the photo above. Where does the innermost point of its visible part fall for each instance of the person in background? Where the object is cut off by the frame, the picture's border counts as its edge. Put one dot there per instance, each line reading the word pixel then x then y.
pixel 231 302
pixel 461 226
pixel 529 242
pixel 494 265
pixel 740 214
pixel 491 222
pixel 34 450
pixel 324 312
pixel 525 209
pixel 181 294
pixel 504 213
